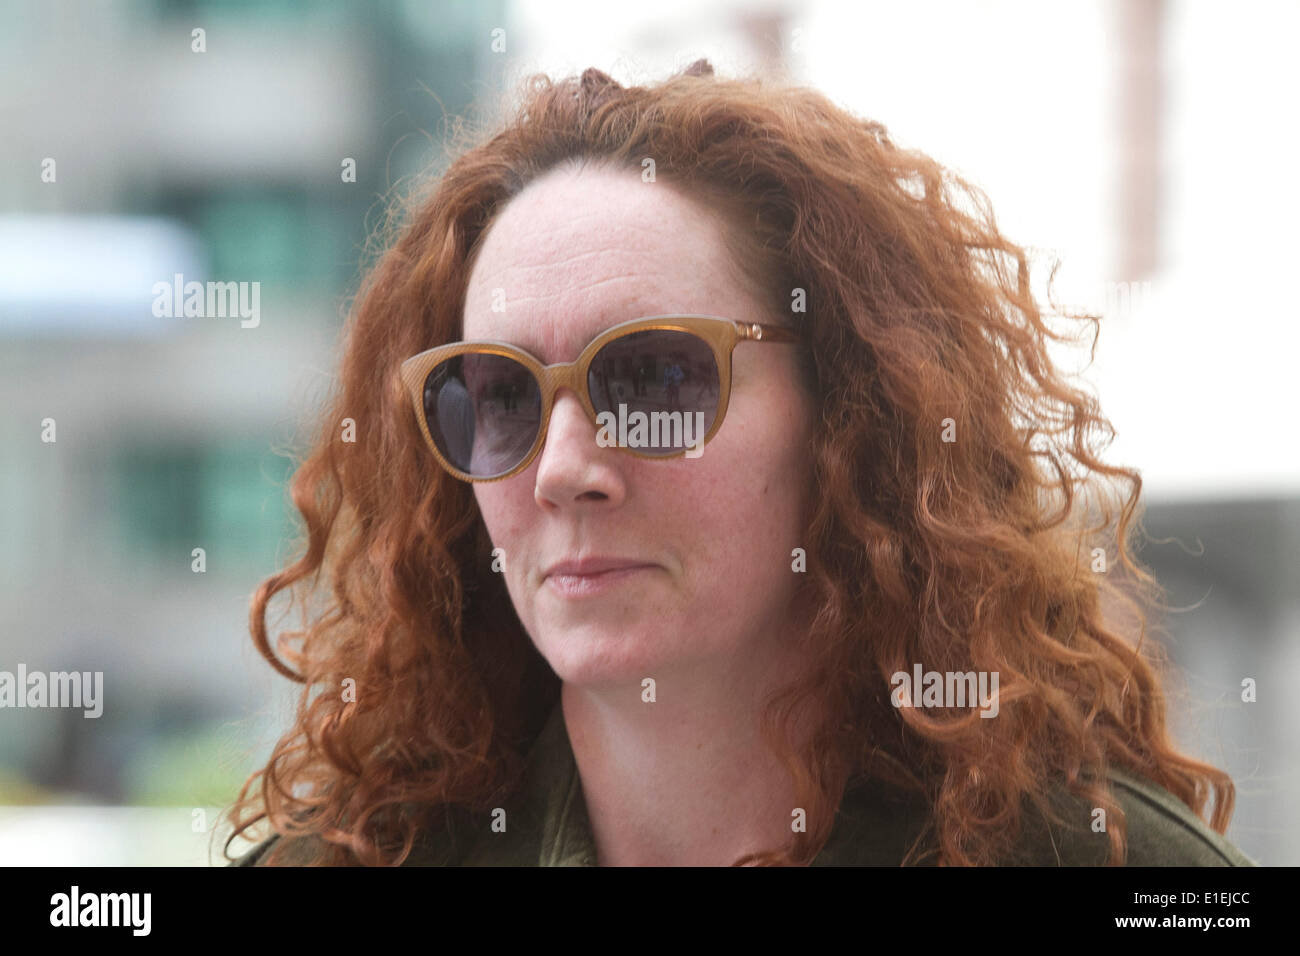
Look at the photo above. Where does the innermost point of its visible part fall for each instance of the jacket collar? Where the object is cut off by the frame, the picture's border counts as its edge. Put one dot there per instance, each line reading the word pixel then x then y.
pixel 547 823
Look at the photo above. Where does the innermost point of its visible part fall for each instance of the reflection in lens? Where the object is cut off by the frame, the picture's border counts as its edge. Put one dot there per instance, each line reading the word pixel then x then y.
pixel 483 412
pixel 663 377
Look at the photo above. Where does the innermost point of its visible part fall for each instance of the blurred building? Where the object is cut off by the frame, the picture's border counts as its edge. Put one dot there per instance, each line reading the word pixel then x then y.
pixel 172 433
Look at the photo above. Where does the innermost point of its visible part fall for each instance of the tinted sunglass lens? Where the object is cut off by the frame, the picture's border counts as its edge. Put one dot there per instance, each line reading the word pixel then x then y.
pixel 662 387
pixel 483 412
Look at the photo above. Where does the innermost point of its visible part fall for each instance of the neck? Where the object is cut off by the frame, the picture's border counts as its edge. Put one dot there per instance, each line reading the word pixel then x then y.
pixel 688 779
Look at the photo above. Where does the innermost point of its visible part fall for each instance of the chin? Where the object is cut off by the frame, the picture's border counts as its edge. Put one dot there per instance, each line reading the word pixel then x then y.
pixel 613 661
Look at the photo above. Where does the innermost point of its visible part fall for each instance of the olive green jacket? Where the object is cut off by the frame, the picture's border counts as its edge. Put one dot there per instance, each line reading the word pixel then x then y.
pixel 547 825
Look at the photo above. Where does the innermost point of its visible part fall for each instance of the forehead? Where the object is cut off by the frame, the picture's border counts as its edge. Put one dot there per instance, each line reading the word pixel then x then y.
pixel 579 251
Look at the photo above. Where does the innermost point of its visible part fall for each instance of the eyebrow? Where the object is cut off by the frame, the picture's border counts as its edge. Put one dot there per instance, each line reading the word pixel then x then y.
pixel 532 347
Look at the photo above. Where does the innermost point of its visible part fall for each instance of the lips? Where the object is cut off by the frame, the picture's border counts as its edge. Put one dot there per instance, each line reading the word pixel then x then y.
pixel 576 582
pixel 595 565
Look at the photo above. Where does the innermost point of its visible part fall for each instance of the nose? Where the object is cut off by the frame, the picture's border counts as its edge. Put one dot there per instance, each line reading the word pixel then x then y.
pixel 571 466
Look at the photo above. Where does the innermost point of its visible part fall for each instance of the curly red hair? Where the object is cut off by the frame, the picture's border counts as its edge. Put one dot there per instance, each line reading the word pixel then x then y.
pixel 966 554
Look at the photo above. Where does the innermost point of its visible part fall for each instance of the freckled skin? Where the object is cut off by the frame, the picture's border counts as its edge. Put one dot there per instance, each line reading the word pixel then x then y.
pixel 575 254
pixel 713 622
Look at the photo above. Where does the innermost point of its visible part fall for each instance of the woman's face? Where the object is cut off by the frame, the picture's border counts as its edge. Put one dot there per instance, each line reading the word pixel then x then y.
pixel 572 255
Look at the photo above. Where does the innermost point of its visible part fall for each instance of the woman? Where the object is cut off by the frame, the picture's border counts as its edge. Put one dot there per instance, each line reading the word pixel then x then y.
pixel 552 641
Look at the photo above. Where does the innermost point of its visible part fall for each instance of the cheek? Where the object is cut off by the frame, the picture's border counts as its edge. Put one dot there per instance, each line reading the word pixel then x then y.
pixel 745 503
pixel 769 453
pixel 513 553
pixel 489 507
pixel 777 488
pixel 503 516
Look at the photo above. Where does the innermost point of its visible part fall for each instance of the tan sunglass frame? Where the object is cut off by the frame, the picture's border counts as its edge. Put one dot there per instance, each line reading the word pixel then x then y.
pixel 722 336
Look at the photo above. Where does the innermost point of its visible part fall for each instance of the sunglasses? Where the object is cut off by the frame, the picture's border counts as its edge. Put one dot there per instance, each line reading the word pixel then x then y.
pixel 656 387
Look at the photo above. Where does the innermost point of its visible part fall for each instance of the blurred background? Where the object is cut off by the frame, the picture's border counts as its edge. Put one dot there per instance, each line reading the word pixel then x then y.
pixel 1134 139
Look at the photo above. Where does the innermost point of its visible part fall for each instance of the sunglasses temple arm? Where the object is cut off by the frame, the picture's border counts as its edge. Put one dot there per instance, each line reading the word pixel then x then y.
pixel 754 332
